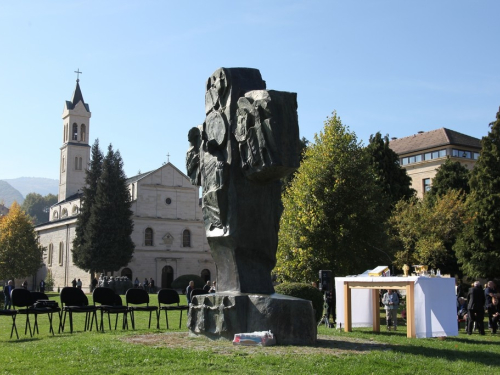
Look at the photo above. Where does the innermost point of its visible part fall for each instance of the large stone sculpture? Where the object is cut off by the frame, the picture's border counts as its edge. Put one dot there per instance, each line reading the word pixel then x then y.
pixel 247 143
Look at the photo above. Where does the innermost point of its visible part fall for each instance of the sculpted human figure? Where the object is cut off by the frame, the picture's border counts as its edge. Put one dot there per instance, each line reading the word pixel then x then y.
pixel 248 141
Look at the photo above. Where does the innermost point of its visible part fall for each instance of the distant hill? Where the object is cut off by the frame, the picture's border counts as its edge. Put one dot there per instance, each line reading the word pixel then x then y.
pixel 9 194
pixel 40 185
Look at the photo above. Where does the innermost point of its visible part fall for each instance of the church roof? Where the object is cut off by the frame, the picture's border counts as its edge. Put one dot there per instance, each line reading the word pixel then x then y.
pixel 138 177
pixel 432 139
pixel 77 97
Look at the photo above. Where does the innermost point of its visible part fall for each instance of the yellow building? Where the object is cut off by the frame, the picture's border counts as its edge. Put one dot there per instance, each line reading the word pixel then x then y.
pixel 423 153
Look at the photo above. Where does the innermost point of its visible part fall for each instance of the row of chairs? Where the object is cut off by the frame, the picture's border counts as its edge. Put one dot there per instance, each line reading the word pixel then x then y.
pixel 74 300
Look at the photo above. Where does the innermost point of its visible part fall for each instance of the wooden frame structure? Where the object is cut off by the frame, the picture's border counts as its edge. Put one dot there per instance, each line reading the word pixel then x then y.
pixel 375 287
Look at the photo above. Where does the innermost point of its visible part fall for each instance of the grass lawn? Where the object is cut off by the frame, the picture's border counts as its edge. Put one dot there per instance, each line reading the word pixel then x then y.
pixel 152 351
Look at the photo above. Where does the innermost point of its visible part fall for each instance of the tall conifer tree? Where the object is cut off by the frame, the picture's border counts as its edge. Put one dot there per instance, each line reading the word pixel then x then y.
pixel 478 247
pixel 106 244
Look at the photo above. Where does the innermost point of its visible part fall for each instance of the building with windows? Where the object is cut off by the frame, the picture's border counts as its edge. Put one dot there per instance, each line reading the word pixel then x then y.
pixel 169 234
pixel 423 153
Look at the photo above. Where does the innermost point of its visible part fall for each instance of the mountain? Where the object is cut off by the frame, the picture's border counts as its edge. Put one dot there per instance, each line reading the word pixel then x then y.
pixel 40 185
pixel 9 194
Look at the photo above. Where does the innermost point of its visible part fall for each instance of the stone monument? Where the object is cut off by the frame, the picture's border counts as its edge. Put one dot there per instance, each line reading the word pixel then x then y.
pixel 247 143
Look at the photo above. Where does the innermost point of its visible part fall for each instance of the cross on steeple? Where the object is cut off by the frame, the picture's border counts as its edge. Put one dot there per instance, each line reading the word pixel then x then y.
pixel 77 71
pixel 168 158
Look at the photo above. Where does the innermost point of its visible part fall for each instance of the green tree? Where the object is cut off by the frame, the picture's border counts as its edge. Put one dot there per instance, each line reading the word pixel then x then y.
pixel 38 207
pixel 450 175
pixel 82 255
pixel 287 180
pixel 425 233
pixel 107 245
pixel 478 247
pixel 393 179
pixel 20 253
pixel 333 215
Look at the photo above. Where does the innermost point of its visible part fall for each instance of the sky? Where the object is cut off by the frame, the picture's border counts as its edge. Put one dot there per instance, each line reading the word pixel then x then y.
pixel 392 66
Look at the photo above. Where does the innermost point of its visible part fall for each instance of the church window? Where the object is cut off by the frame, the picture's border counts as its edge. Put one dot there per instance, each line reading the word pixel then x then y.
pixel 75 210
pixel 65 133
pixel 64 212
pixel 51 251
pixel 76 162
pixel 168 201
pixel 63 162
pixel 75 132
pixel 61 248
pixel 55 215
pixel 80 163
pixel 186 238
pixel 148 237
pixel 83 131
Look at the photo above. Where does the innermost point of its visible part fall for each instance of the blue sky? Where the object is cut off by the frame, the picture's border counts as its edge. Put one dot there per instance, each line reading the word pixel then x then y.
pixel 397 67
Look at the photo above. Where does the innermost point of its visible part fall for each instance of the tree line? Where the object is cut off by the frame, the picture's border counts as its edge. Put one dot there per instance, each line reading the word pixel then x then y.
pixel 349 208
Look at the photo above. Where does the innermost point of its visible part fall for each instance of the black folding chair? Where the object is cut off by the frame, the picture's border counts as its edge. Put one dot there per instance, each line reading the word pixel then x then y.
pixel 42 299
pixel 140 297
pixel 111 303
pixel 73 300
pixel 170 300
pixel 22 298
pixel 13 315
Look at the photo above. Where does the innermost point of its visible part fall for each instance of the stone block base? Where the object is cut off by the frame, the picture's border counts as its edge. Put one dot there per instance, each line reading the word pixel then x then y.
pixel 221 315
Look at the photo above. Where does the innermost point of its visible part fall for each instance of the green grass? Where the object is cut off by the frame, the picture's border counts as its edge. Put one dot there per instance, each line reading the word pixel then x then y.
pixel 359 352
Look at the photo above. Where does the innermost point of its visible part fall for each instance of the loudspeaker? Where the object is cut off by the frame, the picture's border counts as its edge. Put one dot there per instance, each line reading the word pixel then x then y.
pixel 325 281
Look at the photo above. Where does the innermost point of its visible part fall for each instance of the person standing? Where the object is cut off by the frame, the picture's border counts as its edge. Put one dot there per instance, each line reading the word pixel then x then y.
pixel 94 283
pixel 25 284
pixel 74 283
pixel 42 286
pixel 79 284
pixel 206 287
pixel 136 282
pixel 7 289
pixel 489 293
pixel 189 289
pixel 151 285
pixel 391 303
pixel 476 301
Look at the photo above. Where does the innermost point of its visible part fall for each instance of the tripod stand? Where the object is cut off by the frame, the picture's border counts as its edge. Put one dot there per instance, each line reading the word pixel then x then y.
pixel 324 318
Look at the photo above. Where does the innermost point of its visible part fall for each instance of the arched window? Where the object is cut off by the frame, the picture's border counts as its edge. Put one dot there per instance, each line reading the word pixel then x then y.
pixel 55 215
pixel 127 272
pixel 61 249
pixel 64 213
pixel 83 131
pixel 63 162
pixel 205 275
pixel 148 237
pixel 80 163
pixel 75 210
pixel 51 251
pixel 186 238
pixel 75 132
pixel 76 162
pixel 65 133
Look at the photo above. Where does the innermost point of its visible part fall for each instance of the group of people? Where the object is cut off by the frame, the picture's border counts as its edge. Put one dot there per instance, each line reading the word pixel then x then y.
pixel 478 300
pixel 207 288
pixel 147 285
pixel 77 283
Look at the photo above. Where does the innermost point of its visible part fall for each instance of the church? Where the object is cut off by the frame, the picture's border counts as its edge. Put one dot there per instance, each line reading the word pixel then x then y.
pixel 169 234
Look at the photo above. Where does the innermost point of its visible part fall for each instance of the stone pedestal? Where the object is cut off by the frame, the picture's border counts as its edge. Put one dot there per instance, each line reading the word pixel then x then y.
pixel 221 315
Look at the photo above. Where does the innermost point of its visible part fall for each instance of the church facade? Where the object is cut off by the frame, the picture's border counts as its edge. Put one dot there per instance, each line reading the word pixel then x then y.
pixel 168 234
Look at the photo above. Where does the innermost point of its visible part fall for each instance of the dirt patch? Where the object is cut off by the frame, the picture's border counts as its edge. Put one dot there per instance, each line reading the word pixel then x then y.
pixel 325 345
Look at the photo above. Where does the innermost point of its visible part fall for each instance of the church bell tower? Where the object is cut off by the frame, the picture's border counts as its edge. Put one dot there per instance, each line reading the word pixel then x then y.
pixel 75 151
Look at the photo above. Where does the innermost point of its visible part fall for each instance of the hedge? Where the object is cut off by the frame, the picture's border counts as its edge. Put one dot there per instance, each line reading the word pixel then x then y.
pixel 183 281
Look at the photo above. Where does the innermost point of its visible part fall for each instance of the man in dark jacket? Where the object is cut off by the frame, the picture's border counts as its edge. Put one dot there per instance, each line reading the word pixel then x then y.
pixel 476 301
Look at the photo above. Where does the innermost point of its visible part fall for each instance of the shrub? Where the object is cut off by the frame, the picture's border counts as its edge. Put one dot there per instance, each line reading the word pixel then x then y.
pixel 183 281
pixel 304 291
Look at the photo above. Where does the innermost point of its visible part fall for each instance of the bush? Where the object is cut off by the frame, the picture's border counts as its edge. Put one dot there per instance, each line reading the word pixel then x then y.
pixel 183 281
pixel 304 291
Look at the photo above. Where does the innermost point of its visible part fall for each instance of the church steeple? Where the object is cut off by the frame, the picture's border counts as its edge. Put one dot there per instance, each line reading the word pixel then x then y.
pixel 75 151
